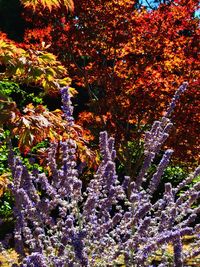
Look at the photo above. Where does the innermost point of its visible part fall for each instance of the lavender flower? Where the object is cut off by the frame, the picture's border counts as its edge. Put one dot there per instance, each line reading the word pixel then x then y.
pixel 161 167
pixel 178 259
pixel 175 98
pixel 35 259
pixel 60 225
pixel 152 145
pixel 67 105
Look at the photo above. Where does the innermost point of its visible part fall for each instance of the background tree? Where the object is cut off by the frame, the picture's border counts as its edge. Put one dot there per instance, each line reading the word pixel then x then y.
pixel 29 74
pixel 130 59
pixel 126 60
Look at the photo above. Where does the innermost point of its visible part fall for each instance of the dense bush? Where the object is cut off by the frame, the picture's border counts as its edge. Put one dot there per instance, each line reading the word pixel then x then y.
pixel 60 224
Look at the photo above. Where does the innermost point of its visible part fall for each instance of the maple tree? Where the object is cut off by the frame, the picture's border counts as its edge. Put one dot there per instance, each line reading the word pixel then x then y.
pixel 36 68
pixel 32 125
pixel 130 60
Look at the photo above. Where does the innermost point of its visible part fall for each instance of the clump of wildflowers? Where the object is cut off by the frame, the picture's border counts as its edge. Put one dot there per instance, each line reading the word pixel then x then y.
pixel 58 225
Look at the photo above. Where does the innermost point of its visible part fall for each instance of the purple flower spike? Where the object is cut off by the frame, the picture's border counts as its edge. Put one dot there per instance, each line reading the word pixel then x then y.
pixel 67 105
pixel 161 167
pixel 175 98
pixel 60 223
pixel 35 260
pixel 178 258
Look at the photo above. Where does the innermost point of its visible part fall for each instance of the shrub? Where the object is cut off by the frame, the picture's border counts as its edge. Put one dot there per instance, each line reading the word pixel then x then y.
pixel 60 224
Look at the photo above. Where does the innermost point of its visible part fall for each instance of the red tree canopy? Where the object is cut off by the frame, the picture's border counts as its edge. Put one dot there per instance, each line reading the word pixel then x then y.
pixel 130 60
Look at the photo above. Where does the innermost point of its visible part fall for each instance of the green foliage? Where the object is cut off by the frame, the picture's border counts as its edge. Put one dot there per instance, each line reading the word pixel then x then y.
pixel 43 144
pixel 3 152
pixel 30 161
pixel 31 67
pixel 132 150
pixel 174 175
pixel 6 204
pixel 20 96
pixel 3 159
pixel 197 179
pixel 8 87
pixel 6 199
pixel 4 136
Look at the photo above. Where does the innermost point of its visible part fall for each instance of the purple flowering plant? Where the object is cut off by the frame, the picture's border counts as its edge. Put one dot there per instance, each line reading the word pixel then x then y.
pixel 58 224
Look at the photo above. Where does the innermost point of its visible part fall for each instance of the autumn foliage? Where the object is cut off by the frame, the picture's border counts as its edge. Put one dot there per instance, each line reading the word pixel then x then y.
pixel 129 60
pixel 32 125
pixel 48 4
